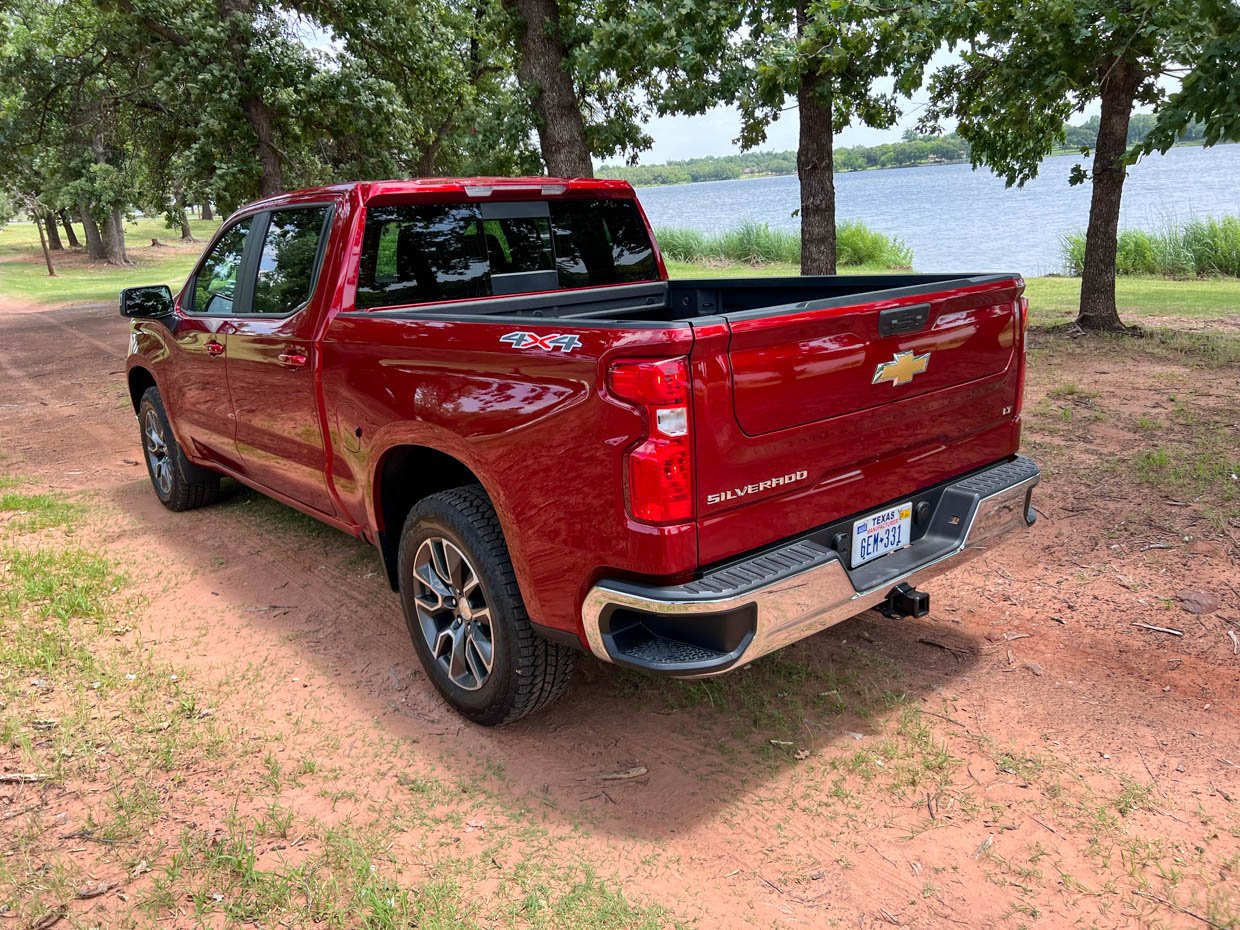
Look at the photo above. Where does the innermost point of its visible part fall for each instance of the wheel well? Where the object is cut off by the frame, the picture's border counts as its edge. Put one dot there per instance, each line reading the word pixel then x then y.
pixel 139 380
pixel 405 476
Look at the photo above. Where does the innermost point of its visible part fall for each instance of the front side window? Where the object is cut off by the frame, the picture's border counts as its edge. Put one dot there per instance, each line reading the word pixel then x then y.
pixel 431 252
pixel 287 264
pixel 215 285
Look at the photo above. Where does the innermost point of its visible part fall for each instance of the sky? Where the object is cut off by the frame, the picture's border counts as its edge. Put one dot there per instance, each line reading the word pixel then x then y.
pixel 713 133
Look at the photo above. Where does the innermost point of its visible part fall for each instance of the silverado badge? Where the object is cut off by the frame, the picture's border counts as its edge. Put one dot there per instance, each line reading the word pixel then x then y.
pixel 903 367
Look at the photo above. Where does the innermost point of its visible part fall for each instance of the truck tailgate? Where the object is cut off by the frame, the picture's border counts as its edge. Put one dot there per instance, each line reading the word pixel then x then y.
pixel 815 411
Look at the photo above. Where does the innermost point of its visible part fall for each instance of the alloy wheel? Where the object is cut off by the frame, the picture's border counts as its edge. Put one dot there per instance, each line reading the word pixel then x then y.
pixel 157 451
pixel 453 612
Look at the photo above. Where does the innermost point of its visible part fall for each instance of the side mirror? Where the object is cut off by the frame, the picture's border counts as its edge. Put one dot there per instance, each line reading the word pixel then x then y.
pixel 152 301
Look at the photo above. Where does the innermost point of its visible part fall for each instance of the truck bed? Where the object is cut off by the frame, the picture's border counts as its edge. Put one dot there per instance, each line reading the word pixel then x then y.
pixel 662 302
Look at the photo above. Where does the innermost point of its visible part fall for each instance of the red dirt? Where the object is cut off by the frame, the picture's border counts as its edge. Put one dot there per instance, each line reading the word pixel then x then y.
pixel 1031 651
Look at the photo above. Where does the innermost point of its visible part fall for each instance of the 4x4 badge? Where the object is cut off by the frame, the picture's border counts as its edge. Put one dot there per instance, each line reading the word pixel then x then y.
pixel 548 342
pixel 903 368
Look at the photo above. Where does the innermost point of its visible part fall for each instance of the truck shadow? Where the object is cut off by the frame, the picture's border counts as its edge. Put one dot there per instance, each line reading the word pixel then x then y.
pixel 626 754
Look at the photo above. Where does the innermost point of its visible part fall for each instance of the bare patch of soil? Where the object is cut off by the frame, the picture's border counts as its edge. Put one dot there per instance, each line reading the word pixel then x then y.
pixel 1038 752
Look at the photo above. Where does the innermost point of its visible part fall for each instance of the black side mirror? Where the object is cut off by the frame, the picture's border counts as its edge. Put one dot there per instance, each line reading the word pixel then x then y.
pixel 152 301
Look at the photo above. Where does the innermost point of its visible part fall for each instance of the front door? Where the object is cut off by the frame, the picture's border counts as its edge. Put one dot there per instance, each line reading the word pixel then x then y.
pixel 271 363
pixel 198 400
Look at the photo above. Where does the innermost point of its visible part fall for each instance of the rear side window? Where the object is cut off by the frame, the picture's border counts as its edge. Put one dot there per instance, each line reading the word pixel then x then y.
pixel 601 242
pixel 416 254
pixel 430 252
pixel 289 259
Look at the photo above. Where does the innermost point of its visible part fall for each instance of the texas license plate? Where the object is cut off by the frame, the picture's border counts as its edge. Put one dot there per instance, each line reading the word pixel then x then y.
pixel 882 532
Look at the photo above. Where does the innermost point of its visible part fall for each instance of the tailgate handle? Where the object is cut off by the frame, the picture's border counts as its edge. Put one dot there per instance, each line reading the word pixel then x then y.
pixel 899 320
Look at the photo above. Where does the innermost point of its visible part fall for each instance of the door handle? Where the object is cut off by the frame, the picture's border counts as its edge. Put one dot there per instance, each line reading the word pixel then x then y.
pixel 215 349
pixel 293 359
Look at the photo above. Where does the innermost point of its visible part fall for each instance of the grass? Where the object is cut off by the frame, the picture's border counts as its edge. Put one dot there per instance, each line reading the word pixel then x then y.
pixel 757 244
pixel 25 279
pixel 1198 248
pixel 1055 300
pixel 125 747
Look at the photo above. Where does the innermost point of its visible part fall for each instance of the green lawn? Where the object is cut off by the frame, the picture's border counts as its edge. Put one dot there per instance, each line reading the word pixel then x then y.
pixel 1053 300
pixel 23 277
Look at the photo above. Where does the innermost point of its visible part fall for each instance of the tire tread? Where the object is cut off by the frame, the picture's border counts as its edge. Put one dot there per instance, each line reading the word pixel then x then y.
pixel 543 669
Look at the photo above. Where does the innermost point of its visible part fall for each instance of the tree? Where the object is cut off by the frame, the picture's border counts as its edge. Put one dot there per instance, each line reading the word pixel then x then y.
pixel 544 72
pixel 1026 67
pixel 827 56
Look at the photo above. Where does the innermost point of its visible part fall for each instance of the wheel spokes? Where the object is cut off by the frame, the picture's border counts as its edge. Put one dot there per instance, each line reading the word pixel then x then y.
pixel 453 613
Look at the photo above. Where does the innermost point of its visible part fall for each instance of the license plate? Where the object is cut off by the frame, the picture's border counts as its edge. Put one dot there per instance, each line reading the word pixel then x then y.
pixel 881 532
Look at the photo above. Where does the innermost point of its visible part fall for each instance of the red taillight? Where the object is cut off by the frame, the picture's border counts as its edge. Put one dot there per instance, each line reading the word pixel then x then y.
pixel 652 383
pixel 660 468
pixel 1022 307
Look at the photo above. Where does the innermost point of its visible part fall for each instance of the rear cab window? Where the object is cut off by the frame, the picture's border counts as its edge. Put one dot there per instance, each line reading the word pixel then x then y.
pixel 425 253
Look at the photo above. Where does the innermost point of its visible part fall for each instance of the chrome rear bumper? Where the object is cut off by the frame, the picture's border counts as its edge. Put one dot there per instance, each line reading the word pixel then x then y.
pixel 783 594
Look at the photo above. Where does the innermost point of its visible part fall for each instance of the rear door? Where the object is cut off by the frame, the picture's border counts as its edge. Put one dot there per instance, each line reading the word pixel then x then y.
pixel 271 362
pixel 830 408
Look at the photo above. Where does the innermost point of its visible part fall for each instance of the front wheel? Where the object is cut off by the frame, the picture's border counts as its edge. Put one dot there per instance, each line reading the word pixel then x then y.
pixel 179 483
pixel 466 616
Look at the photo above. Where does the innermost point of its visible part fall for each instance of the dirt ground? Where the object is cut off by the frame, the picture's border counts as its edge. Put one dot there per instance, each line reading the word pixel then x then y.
pixel 1034 753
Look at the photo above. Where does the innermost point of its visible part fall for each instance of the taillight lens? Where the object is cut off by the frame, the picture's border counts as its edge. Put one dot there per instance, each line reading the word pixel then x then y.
pixel 659 469
pixel 1023 361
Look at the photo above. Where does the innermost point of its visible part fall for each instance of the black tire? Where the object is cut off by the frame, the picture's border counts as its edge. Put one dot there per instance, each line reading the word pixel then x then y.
pixel 179 483
pixel 527 672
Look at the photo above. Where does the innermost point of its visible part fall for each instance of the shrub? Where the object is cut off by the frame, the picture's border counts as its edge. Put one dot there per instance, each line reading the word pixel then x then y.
pixel 1195 249
pixel 758 244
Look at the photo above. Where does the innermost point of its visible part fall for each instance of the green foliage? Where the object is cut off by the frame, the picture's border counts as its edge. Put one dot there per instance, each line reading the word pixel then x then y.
pixel 758 244
pixel 1198 248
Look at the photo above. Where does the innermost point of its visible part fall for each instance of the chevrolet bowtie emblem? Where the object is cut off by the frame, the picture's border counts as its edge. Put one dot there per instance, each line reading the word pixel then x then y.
pixel 903 367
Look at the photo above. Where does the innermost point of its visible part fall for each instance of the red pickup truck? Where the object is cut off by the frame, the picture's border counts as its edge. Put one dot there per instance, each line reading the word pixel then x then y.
pixel 557 449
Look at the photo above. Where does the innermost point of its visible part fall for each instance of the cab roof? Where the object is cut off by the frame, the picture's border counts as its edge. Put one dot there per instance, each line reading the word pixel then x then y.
pixel 476 188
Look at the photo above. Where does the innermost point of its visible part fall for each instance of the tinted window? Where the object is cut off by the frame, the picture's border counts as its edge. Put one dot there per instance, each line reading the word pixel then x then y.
pixel 418 254
pixel 601 242
pixel 415 254
pixel 216 282
pixel 287 264
pixel 516 245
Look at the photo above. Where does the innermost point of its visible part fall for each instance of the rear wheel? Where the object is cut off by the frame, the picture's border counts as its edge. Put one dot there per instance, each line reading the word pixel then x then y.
pixel 466 616
pixel 179 483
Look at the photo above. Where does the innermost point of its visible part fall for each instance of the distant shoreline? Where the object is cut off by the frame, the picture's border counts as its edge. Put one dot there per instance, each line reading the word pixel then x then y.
pixel 755 176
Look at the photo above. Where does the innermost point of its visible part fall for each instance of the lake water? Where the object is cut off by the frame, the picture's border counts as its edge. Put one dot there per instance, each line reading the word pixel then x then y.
pixel 958 219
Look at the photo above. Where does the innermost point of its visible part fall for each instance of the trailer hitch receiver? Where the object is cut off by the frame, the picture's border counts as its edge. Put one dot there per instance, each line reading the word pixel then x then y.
pixel 905 601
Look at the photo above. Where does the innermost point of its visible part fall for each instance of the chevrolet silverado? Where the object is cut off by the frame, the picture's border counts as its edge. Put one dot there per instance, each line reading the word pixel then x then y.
pixel 556 449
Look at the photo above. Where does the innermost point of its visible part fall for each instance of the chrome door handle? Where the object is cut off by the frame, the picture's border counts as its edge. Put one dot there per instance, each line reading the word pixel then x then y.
pixel 293 359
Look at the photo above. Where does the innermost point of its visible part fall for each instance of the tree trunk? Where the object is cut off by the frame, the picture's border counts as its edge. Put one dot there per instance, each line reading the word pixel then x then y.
pixel 94 242
pixel 114 239
pixel 206 213
pixel 543 73
pixel 426 164
pixel 53 234
pixel 47 254
pixel 271 179
pixel 816 170
pixel 69 233
pixel 1119 86
pixel 187 234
